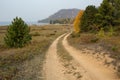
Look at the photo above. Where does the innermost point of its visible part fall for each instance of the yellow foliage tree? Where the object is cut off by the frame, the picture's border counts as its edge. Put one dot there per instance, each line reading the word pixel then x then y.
pixel 78 21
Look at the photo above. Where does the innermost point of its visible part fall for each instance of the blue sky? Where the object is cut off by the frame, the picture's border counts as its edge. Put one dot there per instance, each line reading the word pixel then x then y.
pixel 33 10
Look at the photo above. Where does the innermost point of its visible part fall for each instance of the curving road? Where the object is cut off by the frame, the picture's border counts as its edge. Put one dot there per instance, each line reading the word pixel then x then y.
pixel 54 70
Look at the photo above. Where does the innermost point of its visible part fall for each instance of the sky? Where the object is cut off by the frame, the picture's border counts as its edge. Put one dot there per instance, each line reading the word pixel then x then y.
pixel 34 10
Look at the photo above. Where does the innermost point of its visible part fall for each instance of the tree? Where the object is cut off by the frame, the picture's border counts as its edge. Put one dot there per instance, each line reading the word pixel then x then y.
pixel 106 13
pixel 77 22
pixel 112 2
pixel 117 12
pixel 61 21
pixel 88 18
pixel 117 8
pixel 116 5
pixel 51 22
pixel 17 34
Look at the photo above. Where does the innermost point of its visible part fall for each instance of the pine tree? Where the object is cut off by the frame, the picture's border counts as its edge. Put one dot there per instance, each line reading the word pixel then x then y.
pixel 17 34
pixel 117 12
pixel 117 7
pixel 106 11
pixel 88 18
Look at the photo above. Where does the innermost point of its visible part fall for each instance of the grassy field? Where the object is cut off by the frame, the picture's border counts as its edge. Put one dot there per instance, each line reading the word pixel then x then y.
pixel 26 63
pixel 108 44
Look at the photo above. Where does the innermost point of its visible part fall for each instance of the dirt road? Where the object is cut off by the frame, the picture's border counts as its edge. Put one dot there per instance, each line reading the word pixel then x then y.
pixel 53 69
pixel 93 71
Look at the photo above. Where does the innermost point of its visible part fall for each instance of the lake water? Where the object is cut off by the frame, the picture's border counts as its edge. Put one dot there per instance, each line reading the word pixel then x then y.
pixel 29 23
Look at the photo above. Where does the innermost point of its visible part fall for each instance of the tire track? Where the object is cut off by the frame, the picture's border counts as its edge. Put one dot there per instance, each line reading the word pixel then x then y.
pixel 53 69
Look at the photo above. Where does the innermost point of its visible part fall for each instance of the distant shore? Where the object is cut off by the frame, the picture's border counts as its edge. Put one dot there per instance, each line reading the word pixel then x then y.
pixel 29 23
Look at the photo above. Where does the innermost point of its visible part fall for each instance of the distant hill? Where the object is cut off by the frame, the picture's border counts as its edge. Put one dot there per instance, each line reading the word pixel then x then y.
pixel 61 14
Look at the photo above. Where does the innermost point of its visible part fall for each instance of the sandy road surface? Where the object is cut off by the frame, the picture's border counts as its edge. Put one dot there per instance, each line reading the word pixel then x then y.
pixel 53 68
pixel 95 71
pixel 91 70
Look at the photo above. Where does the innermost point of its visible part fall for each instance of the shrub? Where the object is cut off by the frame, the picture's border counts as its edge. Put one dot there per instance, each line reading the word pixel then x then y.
pixel 94 40
pixel 101 33
pixel 17 34
pixel 74 35
pixel 114 48
pixel 111 32
pixel 35 34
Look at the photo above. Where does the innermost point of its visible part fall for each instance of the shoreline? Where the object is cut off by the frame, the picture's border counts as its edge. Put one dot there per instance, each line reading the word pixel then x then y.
pixel 29 23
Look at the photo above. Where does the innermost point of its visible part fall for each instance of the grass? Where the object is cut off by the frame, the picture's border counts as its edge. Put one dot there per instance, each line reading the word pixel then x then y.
pixel 15 61
pixel 83 39
pixel 111 44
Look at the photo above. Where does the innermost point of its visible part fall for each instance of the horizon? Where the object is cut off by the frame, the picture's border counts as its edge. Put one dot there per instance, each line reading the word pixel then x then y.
pixel 32 11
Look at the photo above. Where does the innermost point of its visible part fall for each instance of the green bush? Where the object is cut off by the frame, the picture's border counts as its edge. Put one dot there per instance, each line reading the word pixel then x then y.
pixel 74 35
pixel 94 40
pixel 17 34
pixel 111 31
pixel 114 48
pixel 101 33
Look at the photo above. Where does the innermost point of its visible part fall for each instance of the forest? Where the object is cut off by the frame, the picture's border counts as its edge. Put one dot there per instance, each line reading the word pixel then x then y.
pixel 105 17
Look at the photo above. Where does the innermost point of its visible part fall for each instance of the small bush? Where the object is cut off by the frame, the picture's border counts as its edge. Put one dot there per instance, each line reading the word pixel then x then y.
pixel 114 48
pixel 101 33
pixel 17 34
pixel 55 31
pixel 111 32
pixel 36 34
pixel 74 35
pixel 94 40
pixel 52 34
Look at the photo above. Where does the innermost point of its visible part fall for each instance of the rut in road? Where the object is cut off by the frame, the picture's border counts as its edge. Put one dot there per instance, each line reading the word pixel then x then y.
pixel 53 69
pixel 95 71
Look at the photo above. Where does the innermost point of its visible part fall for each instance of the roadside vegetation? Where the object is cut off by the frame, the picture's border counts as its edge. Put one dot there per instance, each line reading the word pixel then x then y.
pixel 99 28
pixel 26 63
pixel 62 21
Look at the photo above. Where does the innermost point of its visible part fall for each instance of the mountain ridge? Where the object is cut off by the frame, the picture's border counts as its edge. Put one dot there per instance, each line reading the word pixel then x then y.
pixel 61 14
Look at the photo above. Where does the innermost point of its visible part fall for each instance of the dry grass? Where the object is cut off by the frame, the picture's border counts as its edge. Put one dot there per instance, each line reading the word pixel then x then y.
pixel 13 61
pixel 82 39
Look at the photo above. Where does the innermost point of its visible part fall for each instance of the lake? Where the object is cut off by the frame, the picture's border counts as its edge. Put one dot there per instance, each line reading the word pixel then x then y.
pixel 29 23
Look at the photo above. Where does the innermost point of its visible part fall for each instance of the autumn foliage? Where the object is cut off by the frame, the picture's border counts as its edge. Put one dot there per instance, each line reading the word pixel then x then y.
pixel 77 22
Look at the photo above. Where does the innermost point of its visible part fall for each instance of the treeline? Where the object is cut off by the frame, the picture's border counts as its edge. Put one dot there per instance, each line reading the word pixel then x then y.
pixel 105 17
pixel 62 21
